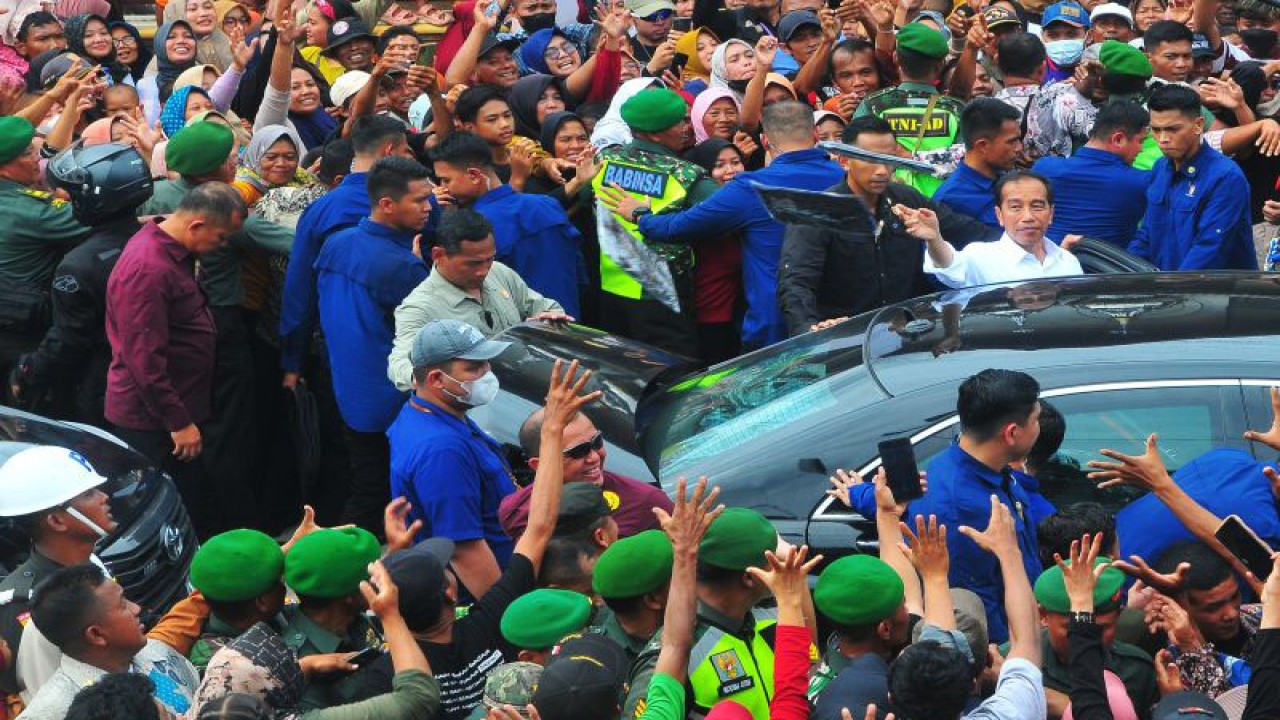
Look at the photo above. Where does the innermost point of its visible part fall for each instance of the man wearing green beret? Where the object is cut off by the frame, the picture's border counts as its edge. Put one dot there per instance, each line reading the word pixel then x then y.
pixel 659 308
pixel 536 622
pixel 325 569
pixel 925 122
pixel 240 575
pixel 632 576
pixel 733 639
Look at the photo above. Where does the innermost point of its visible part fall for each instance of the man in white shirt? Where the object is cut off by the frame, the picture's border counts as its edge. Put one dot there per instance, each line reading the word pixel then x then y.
pixel 1024 208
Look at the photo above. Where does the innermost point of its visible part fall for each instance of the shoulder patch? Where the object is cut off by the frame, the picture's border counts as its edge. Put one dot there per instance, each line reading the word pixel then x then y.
pixel 66 284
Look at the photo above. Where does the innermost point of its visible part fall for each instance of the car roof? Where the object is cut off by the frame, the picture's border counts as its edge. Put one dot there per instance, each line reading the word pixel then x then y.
pixel 1164 322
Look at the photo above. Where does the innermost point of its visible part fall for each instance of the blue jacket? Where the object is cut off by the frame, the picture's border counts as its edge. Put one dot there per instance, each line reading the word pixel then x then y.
pixel 736 208
pixel 1095 194
pixel 968 192
pixel 536 239
pixel 338 209
pixel 1197 218
pixel 363 273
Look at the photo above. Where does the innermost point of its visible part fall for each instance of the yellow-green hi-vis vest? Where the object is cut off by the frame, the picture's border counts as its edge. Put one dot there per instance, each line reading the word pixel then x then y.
pixel 725 667
pixel 666 182
pixel 921 121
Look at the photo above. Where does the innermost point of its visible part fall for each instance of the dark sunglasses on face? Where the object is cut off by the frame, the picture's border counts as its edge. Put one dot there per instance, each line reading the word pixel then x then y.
pixel 583 449
pixel 658 17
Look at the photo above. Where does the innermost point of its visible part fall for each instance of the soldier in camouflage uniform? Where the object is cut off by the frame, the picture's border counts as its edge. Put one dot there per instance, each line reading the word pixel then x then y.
pixel 924 121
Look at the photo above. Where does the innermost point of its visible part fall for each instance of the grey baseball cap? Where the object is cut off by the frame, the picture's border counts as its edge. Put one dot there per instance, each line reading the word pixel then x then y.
pixel 442 340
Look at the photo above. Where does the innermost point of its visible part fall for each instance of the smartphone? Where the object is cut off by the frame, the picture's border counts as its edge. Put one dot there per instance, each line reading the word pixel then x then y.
pixel 682 24
pixel 365 656
pixel 1245 544
pixel 426 56
pixel 899 462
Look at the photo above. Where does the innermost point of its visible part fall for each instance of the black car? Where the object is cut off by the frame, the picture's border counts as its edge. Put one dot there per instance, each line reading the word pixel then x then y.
pixel 1189 356
pixel 151 549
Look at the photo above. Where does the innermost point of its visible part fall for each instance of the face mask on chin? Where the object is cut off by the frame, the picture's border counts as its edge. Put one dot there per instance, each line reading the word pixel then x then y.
pixel 738 86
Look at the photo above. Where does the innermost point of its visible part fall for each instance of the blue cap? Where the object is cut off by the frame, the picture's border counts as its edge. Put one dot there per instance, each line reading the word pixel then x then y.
pixel 795 20
pixel 1067 12
pixel 442 340
pixel 1200 46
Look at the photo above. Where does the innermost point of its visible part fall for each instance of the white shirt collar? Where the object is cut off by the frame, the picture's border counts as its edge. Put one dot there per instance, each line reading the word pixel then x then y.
pixel 1016 254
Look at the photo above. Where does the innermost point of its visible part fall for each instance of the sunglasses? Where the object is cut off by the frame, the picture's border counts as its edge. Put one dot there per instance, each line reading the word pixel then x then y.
pixel 659 16
pixel 583 449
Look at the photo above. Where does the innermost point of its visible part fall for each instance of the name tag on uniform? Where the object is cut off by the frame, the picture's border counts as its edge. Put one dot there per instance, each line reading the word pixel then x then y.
pixel 904 123
pixel 642 181
pixel 733 676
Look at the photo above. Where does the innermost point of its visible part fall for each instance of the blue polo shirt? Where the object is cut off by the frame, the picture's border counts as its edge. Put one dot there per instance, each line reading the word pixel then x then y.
pixel 969 192
pixel 536 239
pixel 453 473
pixel 1095 194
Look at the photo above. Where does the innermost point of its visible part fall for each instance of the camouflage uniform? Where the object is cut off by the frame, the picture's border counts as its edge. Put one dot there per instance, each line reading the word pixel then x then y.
pixel 509 684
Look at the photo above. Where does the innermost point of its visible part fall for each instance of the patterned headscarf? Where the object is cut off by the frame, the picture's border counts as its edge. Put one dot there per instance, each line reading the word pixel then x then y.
pixel 173 117
pixel 256 663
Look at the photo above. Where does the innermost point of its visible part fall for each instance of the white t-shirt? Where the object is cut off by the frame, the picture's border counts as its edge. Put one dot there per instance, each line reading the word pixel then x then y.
pixel 982 263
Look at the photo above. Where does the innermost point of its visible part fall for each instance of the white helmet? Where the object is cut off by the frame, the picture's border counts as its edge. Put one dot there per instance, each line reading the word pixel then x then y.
pixel 43 477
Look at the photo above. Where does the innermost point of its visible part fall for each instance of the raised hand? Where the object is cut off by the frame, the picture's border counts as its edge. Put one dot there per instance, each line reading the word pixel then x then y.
pixel 241 52
pixel 766 51
pixel 380 592
pixel 485 13
pixel 920 222
pixel 1171 584
pixel 565 398
pixel 1000 536
pixel 842 481
pixel 689 519
pixel 1168 677
pixel 744 142
pixel 926 547
pixel 786 577
pixel 1080 576
pixel 1165 615
pixel 1146 471
pixel 1271 436
pixel 399 535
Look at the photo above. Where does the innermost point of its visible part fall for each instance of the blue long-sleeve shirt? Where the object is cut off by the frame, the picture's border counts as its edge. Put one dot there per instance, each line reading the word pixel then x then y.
pixel 340 208
pixel 969 192
pixel 736 208
pixel 1197 217
pixel 536 239
pixel 362 274
pixel 1095 194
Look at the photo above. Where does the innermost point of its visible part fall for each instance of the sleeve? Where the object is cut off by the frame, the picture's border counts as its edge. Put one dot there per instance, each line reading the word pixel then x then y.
pixel 1140 245
pixel 144 347
pixel 77 321
pixel 224 89
pixel 641 680
pixel 298 304
pixel 960 230
pixel 1088 689
pixel 720 214
pixel 274 109
pixel 606 76
pixel 1264 686
pixel 1019 694
pixel 414 695
pixel 804 255
pixel 447 482
pixel 955 275
pixel 1224 210
pixel 180 628
pixel 666 699
pixel 518 579
pixel 862 500
pixel 791 674
pixel 454 36
pixel 54 223
pixel 267 235
pixel 410 316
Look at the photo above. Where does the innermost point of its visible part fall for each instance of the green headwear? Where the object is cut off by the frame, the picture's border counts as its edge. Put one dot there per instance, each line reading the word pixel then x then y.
pixel 922 39
pixel 237 565
pixel 654 110
pixel 1124 59
pixel 539 619
pixel 199 149
pixel 737 540
pixel 331 563
pixel 15 137
pixel 581 504
pixel 634 566
pixel 1051 590
pixel 858 590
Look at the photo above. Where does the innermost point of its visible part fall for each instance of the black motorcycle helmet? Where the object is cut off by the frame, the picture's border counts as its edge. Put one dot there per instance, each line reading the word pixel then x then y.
pixel 104 181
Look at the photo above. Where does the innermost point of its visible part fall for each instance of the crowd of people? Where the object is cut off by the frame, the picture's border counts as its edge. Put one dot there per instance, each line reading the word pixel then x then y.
pixel 272 247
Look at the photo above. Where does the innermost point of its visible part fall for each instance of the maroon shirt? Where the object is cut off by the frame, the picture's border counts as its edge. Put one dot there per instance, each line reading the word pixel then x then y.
pixel 632 503
pixel 162 337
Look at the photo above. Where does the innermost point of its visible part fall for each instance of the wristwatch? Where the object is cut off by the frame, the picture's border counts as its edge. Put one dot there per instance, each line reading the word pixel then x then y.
pixel 639 213
pixel 1082 617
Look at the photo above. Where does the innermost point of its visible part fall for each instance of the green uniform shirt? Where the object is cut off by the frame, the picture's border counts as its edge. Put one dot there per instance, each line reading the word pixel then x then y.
pixel 305 637
pixel 1129 663
pixel 215 635
pixel 414 695
pixel 15 608
pixel 606 624
pixel 38 230
pixel 925 123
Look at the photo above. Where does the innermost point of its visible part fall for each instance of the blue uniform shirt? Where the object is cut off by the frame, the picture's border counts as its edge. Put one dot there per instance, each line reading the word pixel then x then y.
pixel 968 192
pixel 536 239
pixel 1095 194
pixel 453 473
pixel 338 209
pixel 736 208
pixel 1198 217
pixel 363 273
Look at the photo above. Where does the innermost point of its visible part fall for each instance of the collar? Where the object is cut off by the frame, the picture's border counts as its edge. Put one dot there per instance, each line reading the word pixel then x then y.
pixel 1015 254
pixel 731 625
pixel 650 147
pixel 801 156
pixel 498 194
pixel 81 673
pixel 917 87
pixel 403 238
pixel 1100 155
pixel 426 407
pixel 634 644
pixel 972 175
pixel 1195 165
pixel 166 242
pixel 322 639
pixel 972 465
pixel 218 626
pixel 358 178
pixel 452 294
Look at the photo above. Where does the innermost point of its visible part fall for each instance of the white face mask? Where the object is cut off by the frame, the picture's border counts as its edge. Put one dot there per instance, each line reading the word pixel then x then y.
pixel 1065 53
pixel 480 391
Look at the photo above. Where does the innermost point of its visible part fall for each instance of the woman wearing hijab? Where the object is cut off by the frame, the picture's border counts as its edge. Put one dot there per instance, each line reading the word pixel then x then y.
pixel 214 47
pixel 612 129
pixel 175 51
pixel 533 98
pixel 131 50
pixel 271 161
pixel 550 52
pixel 181 106
pixel 89 37
pixel 715 113
pixel 697 46
pixel 717 278
pixel 296 93
pixel 733 65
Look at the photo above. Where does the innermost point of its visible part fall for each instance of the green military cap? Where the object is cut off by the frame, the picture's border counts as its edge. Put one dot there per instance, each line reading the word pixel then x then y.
pixel 539 619
pixel 923 39
pixel 511 684
pixel 634 566
pixel 581 503
pixel 1123 59
pixel 654 110
pixel 331 562
pixel 15 137
pixel 858 590
pixel 1051 590
pixel 737 540
pixel 199 149
pixel 237 565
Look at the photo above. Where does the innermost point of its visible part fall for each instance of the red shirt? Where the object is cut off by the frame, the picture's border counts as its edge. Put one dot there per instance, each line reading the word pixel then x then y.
pixel 632 503
pixel 163 340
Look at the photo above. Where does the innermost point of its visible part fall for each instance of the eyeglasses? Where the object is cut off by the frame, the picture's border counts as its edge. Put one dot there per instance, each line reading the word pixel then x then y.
pixel 583 449
pixel 232 20
pixel 554 52
pixel 659 16
pixel 125 41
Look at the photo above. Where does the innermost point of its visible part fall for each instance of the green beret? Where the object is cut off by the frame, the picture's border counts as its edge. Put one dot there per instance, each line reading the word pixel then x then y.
pixel 634 566
pixel 15 137
pixel 581 503
pixel 330 563
pixel 923 39
pixel 1123 59
pixel 654 110
pixel 858 590
pixel 237 565
pixel 1051 590
pixel 199 149
pixel 539 619
pixel 737 540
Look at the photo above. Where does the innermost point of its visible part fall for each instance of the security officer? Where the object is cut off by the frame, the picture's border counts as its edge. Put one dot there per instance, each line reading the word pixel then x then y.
pixel 240 573
pixel 536 622
pixel 733 639
pixel 649 168
pixel 325 569
pixel 106 183
pixel 925 122
pixel 53 493
pixel 632 576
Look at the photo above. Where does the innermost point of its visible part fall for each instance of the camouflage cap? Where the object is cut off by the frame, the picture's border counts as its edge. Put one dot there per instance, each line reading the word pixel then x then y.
pixel 512 684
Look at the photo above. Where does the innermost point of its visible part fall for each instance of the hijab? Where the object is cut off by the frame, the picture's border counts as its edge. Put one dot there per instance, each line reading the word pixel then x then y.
pixel 169 70
pixel 706 153
pixel 688 47
pixel 532 49
pixel 173 116
pixel 75 28
pixel 524 99
pixel 256 663
pixel 251 162
pixel 194 75
pixel 612 129
pixel 139 66
pixel 316 127
pixel 224 7
pixel 552 125
pixel 719 71
pixel 780 81
pixel 212 49
pixel 702 104
pixel 98 132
